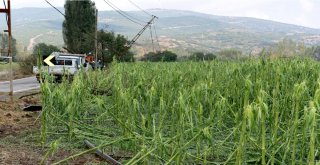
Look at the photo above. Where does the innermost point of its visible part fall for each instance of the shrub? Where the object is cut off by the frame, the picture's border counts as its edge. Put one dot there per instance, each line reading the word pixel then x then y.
pixel 26 64
pixel 44 49
pixel 200 56
pixel 231 54
pixel 165 56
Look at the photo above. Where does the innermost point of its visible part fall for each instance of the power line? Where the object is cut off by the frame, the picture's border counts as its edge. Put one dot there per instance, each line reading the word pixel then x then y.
pixel 155 32
pixel 124 14
pixel 55 8
pixel 152 38
pixel 140 8
pixel 5 6
pixel 4 3
pixel 117 10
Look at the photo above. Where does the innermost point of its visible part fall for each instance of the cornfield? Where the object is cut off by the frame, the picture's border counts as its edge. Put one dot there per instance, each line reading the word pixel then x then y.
pixel 220 112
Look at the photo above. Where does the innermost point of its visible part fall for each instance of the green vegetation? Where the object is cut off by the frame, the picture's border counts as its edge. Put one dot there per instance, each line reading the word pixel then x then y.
pixel 6 66
pixel 316 52
pixel 26 64
pixel 230 54
pixel 4 44
pixel 164 56
pixel 5 70
pixel 200 56
pixel 219 112
pixel 113 47
pixel 79 25
pixel 44 49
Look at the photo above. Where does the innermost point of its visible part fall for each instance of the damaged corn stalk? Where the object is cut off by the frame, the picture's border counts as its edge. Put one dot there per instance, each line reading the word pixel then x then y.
pixel 254 111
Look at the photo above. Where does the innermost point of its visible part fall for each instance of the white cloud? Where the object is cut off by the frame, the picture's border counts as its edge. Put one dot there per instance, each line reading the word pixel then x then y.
pixel 307 5
pixel 257 14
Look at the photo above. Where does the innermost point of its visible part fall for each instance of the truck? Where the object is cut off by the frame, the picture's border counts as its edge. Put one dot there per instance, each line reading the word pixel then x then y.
pixel 62 64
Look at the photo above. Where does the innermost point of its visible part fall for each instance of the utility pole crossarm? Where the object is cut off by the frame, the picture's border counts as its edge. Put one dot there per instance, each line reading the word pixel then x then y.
pixel 135 38
pixel 4 10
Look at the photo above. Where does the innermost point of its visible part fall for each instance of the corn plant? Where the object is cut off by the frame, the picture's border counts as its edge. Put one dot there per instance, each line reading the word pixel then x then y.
pixel 219 112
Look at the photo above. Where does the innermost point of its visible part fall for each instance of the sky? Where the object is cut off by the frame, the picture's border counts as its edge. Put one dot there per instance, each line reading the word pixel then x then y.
pixel 298 12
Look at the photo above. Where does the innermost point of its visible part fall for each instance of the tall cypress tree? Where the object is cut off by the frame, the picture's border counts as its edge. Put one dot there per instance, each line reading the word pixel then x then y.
pixel 79 25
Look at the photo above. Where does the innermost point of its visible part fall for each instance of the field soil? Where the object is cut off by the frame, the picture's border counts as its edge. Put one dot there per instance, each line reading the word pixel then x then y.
pixel 20 136
pixel 16 126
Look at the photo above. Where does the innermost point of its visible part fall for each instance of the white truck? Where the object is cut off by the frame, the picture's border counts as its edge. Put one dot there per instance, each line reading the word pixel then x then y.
pixel 62 64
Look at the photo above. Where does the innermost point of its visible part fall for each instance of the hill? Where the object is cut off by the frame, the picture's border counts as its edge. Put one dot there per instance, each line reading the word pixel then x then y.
pixel 180 31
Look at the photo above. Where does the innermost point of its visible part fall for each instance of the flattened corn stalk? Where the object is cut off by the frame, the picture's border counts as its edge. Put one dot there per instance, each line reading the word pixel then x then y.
pixel 179 113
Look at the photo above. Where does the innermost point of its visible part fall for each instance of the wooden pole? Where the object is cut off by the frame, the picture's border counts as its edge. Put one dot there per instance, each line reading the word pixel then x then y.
pixel 10 48
pixel 7 11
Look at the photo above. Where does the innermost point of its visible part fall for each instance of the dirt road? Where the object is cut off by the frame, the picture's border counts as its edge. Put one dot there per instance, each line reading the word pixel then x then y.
pixel 33 42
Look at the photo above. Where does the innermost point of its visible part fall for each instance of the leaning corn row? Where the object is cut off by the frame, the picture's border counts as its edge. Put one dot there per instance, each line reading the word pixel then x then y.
pixel 255 111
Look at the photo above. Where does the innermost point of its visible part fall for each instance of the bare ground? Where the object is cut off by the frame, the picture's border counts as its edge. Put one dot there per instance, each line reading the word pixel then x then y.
pixel 32 42
pixel 19 136
pixel 16 129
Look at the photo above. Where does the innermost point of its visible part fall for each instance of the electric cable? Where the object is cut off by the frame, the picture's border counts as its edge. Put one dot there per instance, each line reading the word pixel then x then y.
pixel 139 8
pixel 5 6
pixel 152 38
pixel 55 8
pixel 124 14
pixel 116 9
pixel 4 3
pixel 157 38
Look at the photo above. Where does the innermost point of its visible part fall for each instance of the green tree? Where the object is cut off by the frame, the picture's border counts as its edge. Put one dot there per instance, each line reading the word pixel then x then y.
pixel 316 52
pixel 289 48
pixel 231 54
pixel 4 44
pixel 44 49
pixel 285 48
pixel 79 25
pixel 113 46
pixel 165 56
pixel 200 56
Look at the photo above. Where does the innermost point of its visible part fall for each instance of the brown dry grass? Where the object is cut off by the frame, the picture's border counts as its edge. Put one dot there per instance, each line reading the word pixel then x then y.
pixel 19 136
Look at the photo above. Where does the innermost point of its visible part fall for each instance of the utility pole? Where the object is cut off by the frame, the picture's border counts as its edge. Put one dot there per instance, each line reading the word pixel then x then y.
pixel 96 42
pixel 7 11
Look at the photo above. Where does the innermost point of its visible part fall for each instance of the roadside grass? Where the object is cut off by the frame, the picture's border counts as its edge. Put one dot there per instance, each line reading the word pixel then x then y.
pixel 18 71
pixel 6 66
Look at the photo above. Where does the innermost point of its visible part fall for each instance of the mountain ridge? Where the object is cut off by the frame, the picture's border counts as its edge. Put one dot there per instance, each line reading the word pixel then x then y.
pixel 179 30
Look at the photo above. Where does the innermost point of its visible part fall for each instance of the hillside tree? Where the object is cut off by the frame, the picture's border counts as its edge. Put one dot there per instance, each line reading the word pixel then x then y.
pixel 44 49
pixel 79 25
pixel 230 54
pixel 4 44
pixel 113 46
pixel 316 52
pixel 160 56
pixel 200 56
